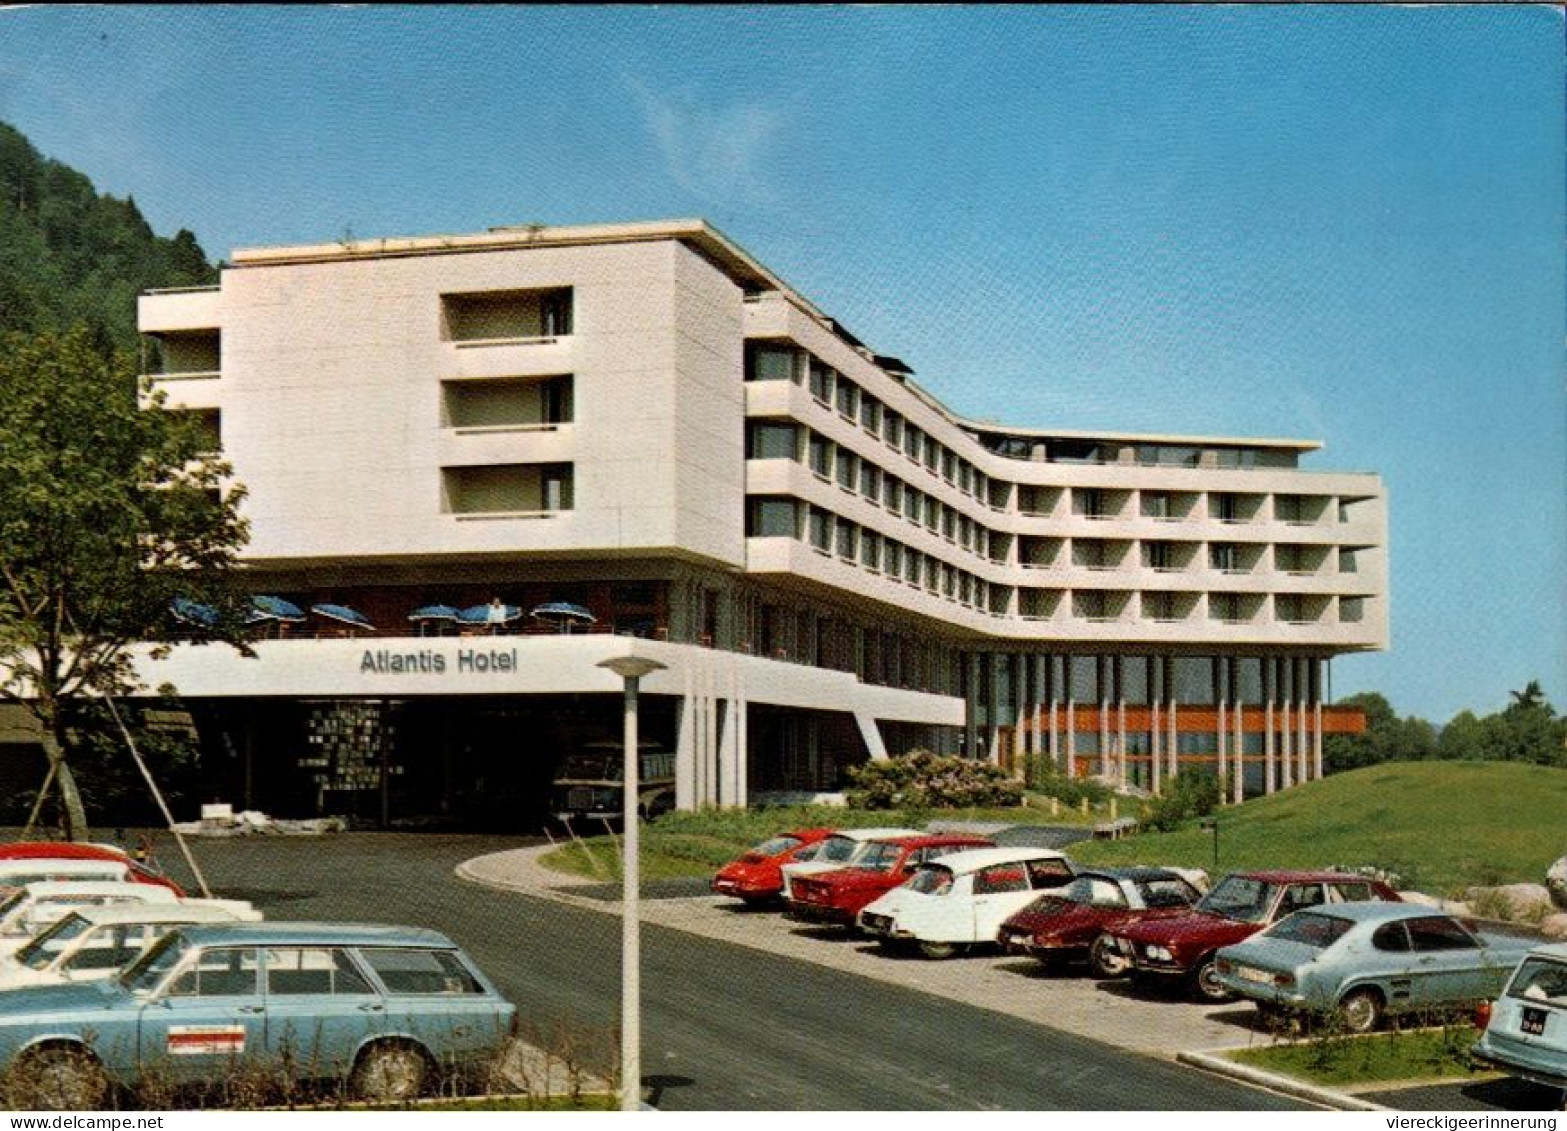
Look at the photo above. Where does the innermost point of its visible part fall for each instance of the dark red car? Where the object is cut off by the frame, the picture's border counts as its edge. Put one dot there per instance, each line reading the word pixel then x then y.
pixel 43 853
pixel 840 896
pixel 755 877
pixel 1239 906
pixel 1079 920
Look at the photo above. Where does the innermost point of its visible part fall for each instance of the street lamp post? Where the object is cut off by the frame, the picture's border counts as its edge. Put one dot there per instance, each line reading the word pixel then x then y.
pixel 631 669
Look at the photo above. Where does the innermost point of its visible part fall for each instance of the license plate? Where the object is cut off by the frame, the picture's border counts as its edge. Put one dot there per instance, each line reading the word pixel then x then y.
pixel 1533 1022
pixel 1252 974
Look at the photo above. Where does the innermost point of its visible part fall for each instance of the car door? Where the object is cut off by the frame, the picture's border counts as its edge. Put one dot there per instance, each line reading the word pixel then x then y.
pixel 999 891
pixel 1450 964
pixel 206 1019
pixel 321 1008
pixel 431 995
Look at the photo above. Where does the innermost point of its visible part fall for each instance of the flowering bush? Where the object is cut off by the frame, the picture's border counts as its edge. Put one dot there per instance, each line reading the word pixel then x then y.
pixel 922 780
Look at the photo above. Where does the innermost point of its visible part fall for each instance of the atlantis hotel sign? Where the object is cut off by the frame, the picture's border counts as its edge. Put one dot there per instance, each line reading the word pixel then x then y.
pixel 428 661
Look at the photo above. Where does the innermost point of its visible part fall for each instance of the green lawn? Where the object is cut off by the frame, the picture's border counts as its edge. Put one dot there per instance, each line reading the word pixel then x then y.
pixel 1442 826
pixel 1423 1054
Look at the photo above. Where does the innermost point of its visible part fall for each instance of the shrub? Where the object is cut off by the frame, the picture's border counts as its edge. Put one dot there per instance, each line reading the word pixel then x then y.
pixel 1045 779
pixel 1187 796
pixel 922 780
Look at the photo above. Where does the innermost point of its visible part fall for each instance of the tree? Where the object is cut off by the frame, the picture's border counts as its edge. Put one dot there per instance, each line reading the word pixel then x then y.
pixel 1387 738
pixel 111 508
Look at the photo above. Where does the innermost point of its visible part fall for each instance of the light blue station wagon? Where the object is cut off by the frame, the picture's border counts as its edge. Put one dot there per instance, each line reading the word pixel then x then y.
pixel 1526 1032
pixel 1366 961
pixel 388 1009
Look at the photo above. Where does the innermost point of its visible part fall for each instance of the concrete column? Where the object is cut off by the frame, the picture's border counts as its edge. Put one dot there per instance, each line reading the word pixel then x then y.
pixel 1120 738
pixel 1269 781
pixel 1316 738
pixel 1239 748
pixel 1221 743
pixel 1155 746
pixel 1106 749
pixel 685 747
pixel 1071 738
pixel 1055 736
pixel 1286 745
pixel 1175 741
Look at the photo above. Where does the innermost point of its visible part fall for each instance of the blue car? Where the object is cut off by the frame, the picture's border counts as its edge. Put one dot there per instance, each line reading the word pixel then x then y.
pixel 389 1010
pixel 1362 962
pixel 1526 1030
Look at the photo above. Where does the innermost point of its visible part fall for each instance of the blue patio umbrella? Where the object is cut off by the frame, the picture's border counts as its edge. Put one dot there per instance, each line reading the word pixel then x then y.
pixel 342 613
pixel 194 613
pixel 563 613
pixel 436 612
pixel 275 608
pixel 494 613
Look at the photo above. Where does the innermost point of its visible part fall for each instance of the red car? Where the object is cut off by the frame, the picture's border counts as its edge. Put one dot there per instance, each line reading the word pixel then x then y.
pixel 840 896
pixel 27 861
pixel 1239 906
pixel 755 877
pixel 1079 920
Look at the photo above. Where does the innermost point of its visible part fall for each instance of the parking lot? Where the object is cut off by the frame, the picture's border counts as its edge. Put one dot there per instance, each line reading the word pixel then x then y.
pixel 1117 1013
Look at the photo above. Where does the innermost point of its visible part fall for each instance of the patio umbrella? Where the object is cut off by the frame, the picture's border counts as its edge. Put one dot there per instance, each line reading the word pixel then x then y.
pixel 194 613
pixel 435 612
pixel 563 613
pixel 343 614
pixel 274 608
pixel 495 613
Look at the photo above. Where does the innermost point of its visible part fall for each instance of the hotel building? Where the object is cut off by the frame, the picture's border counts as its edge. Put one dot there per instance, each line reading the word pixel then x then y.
pixel 642 420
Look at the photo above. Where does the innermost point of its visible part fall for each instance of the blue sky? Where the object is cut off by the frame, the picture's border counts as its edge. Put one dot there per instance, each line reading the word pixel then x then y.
pixel 1341 223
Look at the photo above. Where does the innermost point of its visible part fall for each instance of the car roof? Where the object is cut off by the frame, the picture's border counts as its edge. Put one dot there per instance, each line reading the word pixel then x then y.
pixel 60 850
pixel 1133 872
pixel 314 934
pixel 82 866
pixel 1550 950
pixel 936 840
pixel 883 832
pixel 157 913
pixel 1376 911
pixel 1300 876
pixel 973 859
pixel 49 889
pixel 808 834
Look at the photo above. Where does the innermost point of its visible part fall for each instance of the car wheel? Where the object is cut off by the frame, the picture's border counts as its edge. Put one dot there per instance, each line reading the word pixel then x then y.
pixel 1106 958
pixel 939 950
pixel 59 1078
pixel 1205 979
pixel 389 1072
pixel 1361 1011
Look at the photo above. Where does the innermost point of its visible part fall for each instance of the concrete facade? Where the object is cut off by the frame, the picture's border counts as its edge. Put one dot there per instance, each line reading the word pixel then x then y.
pixel 643 419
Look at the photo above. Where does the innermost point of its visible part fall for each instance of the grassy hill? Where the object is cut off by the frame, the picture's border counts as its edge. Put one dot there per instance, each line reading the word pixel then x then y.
pixel 1441 825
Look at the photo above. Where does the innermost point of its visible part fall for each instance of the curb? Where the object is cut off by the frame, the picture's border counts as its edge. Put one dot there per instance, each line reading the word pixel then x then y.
pixel 1288 1085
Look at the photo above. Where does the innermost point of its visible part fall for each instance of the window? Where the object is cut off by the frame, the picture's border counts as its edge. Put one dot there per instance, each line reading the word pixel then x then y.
pixel 870 550
pixel 208 425
pixel 507 403
pixel 870 414
pixel 892 428
pixel 189 353
pixel 1156 504
pixel 1351 610
pixel 218 973
pixel 293 971
pixel 1088 502
pixel 767 361
pixel 1298 896
pixel 772 518
pixel 1224 557
pixel 848 538
pixel 848 398
pixel 1439 933
pixel 892 493
pixel 421 972
pixel 870 481
pixel 1348 561
pixel 767 440
pixel 1311 929
pixel 1225 508
pixel 507 316
pixel 848 469
pixel 1159 556
pixel 508 488
pixel 999 878
pixel 1048 873
pixel 821 381
pixel 821 530
pixel 1392 937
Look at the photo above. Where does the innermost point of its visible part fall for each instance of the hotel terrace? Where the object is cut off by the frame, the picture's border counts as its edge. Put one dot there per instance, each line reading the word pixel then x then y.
pixel 641 423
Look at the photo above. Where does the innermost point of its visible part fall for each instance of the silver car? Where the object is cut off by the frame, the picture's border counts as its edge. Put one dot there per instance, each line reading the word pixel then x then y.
pixel 1526 1033
pixel 1365 961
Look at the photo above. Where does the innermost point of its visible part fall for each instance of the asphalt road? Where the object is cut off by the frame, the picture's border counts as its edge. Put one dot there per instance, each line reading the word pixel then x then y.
pixel 724 1028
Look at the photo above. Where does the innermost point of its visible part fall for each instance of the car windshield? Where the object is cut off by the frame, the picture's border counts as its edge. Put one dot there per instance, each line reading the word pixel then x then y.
pixel 1166 893
pixel 594 767
pixel 837 849
pixel 1238 897
pixel 47 945
pixel 143 975
pixel 933 879
pixel 878 856
pixel 1541 981
pixel 1309 928
pixel 777 845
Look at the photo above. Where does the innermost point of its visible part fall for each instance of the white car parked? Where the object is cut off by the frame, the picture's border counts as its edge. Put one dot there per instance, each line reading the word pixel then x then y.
pixel 20 873
pixel 28 910
pixel 958 900
pixel 839 851
pixel 96 942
